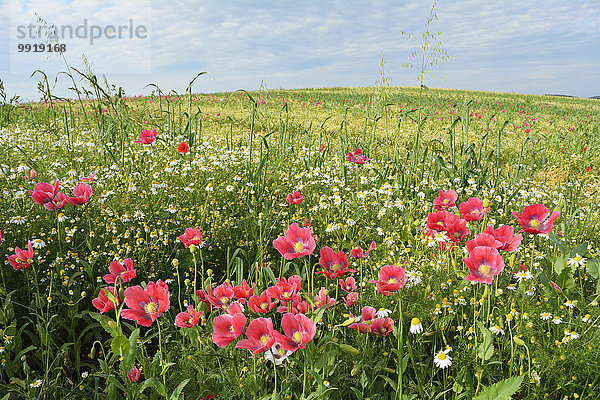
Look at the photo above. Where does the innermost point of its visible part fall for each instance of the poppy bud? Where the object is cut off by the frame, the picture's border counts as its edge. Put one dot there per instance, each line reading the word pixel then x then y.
pixel 134 375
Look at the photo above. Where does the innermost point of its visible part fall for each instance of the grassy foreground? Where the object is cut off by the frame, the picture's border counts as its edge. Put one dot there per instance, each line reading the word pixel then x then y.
pixel 224 164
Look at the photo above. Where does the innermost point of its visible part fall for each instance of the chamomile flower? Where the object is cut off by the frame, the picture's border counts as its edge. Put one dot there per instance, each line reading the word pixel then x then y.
pixel 523 275
pixel 556 320
pixel 383 313
pixel 577 260
pixel 497 330
pixel 442 359
pixel 545 316
pixel 416 326
pixel 36 383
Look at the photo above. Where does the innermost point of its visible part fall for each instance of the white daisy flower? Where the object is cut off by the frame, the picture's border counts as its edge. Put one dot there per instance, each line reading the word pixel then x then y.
pixel 577 260
pixel 416 326
pixel 556 320
pixel 545 316
pixel 497 330
pixel 36 383
pixel 442 359
pixel 523 275
pixel 383 313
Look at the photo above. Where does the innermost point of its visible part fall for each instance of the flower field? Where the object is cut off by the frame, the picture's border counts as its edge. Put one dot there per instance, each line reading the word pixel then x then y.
pixel 342 243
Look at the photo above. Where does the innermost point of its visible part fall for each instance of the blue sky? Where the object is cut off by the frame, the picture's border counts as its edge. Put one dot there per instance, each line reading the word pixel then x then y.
pixel 514 46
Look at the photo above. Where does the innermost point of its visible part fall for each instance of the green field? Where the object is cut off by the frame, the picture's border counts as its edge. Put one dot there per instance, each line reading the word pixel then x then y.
pixel 533 329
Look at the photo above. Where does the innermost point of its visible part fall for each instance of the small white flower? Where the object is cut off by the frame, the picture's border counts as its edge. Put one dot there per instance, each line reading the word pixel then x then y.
pixel 570 303
pixel 383 313
pixel 545 316
pixel 36 383
pixel 556 320
pixel 586 317
pixel 38 244
pixel 523 275
pixel 442 359
pixel 229 188
pixel 277 354
pixel 416 326
pixel 577 260
pixel 497 330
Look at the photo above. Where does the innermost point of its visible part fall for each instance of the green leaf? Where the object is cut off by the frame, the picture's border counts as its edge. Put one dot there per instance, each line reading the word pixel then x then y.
pixel 486 348
pixel 120 345
pixel 559 264
pixel 501 390
pixel 582 250
pixel 559 243
pixel 391 382
pixel 592 267
pixel 178 389
pixel 565 279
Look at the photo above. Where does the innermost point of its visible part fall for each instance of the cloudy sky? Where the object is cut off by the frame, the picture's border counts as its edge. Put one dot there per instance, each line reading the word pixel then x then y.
pixel 537 47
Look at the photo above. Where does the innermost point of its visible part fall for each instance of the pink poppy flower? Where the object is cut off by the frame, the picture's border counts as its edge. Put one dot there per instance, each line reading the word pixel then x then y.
pixel 506 236
pixel 31 176
pixel 188 319
pixel 134 375
pixel 358 252
pixel 82 194
pixel 260 336
pixel 244 291
pixel 457 230
pixel 297 242
pixel 367 314
pixel 286 290
pixel 147 137
pixel 348 285
pixel 191 236
pixel 391 279
pixel 48 195
pixel 297 306
pixel 483 239
pixel 357 157
pixel 351 299
pixel 146 305
pixel 227 328
pixel 120 273
pixel 484 263
pixel 90 178
pixel 222 295
pixel 382 326
pixel 472 209
pixel 445 200
pixel 102 302
pixel 440 220
pixel 298 331
pixel 335 264
pixel 261 304
pixel 294 198
pixel 535 219
pixel 22 258
pixel 323 299
pixel 203 296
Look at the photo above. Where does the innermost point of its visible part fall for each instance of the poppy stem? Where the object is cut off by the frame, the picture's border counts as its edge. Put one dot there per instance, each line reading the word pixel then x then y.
pixel 162 364
pixel 400 347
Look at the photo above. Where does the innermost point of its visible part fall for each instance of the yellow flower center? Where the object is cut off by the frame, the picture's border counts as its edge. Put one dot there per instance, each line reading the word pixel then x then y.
pixel 335 267
pixel 442 356
pixel 151 308
pixel 224 299
pixel 415 321
pixel 264 306
pixel 392 280
pixel 484 269
pixel 297 337
pixel 264 339
pixel 231 329
pixel 286 294
pixel 534 223
pixel 299 247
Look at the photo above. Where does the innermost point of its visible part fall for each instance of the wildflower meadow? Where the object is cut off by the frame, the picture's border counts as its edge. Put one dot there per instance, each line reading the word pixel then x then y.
pixel 342 243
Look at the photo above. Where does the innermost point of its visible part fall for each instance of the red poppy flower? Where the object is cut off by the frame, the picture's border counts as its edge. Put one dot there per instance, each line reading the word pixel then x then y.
pixel 22 258
pixel 294 198
pixel 188 319
pixel 535 219
pixel 472 209
pixel 221 295
pixel 323 299
pixel 357 157
pixel 351 299
pixel 82 193
pixel 440 220
pixel 297 242
pixel 227 328
pixel 191 236
pixel 358 252
pixel 262 304
pixel 382 326
pixel 120 273
pixel 484 263
pixel 483 239
pixel 134 375
pixel 102 302
pixel 445 200
pixel 505 235
pixel 243 291
pixel 391 279
pixel 183 147
pixel 146 305
pixel 260 336
pixel 147 137
pixel 367 314
pixel 286 290
pixel 457 230
pixel 298 331
pixel 348 284
pixel 335 264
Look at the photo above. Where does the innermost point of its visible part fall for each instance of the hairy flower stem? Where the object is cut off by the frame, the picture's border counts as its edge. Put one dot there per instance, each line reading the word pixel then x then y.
pixel 162 364
pixel 400 347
